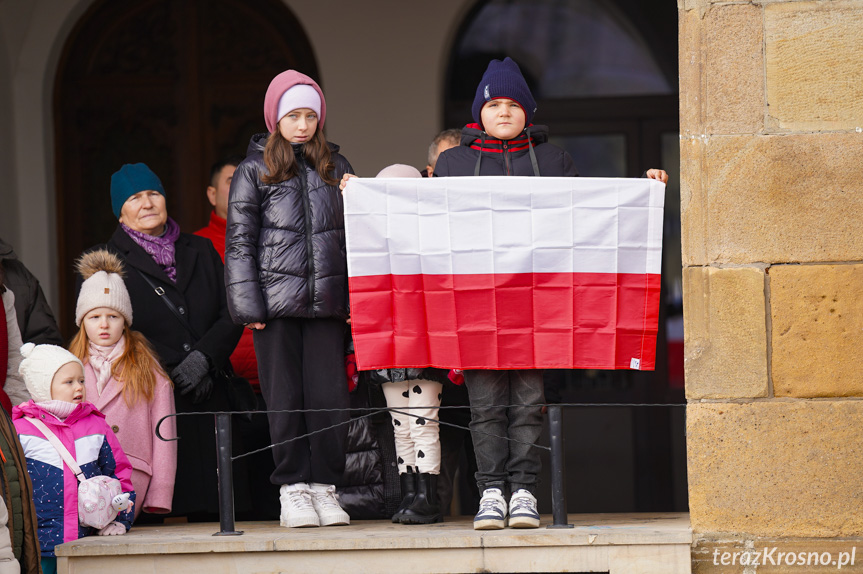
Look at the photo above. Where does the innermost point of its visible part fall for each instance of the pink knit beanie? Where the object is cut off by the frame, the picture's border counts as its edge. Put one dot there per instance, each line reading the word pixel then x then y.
pixel 281 84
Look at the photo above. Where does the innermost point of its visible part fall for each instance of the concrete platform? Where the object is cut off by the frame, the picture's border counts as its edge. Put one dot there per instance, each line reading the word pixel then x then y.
pixel 614 543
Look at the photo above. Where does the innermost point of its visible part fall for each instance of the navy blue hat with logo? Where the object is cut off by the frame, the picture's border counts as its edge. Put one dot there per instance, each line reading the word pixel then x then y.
pixel 129 180
pixel 503 80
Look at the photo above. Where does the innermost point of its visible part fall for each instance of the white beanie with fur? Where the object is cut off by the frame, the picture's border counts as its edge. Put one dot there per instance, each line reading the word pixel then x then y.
pixel 103 285
pixel 40 364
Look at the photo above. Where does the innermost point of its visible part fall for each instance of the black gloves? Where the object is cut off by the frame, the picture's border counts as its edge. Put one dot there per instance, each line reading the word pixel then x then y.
pixel 192 376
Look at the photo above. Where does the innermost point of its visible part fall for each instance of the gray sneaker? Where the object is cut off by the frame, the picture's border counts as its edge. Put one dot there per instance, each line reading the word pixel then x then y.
pixel 492 511
pixel 522 510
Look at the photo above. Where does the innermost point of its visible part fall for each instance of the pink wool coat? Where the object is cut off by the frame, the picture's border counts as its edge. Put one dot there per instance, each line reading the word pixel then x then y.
pixel 154 461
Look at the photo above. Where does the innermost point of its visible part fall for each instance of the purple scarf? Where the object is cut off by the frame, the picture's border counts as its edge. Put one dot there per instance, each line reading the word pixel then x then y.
pixel 160 248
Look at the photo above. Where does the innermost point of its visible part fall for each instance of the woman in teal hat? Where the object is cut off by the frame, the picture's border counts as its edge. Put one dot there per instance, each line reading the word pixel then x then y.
pixel 165 265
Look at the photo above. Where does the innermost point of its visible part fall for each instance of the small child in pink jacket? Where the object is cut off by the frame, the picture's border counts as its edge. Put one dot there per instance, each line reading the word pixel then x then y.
pixel 124 379
pixel 55 379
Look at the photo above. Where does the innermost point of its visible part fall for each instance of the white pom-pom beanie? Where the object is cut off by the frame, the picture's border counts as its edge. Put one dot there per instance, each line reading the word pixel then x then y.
pixel 104 289
pixel 40 364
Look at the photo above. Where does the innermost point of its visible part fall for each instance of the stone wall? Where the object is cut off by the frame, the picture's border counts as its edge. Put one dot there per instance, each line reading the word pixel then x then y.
pixel 771 109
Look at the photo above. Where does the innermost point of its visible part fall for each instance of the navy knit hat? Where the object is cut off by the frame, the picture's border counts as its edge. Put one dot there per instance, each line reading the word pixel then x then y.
pixel 129 180
pixel 503 80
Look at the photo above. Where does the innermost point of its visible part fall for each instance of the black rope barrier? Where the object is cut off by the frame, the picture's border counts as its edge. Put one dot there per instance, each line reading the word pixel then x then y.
pixel 226 458
pixel 388 409
pixel 262 449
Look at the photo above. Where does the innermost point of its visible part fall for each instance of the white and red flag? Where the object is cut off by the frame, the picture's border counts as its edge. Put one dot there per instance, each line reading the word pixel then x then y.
pixel 504 272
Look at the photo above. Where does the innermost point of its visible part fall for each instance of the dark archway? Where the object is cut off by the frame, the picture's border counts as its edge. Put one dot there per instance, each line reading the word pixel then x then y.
pixel 605 77
pixel 176 84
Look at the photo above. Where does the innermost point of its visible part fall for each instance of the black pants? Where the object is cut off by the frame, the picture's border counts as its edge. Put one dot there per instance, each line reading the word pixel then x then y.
pixel 454 442
pixel 301 365
pixel 507 465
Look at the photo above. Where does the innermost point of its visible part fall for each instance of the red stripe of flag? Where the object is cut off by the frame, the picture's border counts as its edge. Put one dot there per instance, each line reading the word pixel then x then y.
pixel 506 321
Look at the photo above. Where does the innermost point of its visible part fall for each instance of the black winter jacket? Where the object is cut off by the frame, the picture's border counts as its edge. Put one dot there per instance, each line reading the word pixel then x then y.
pixel 285 250
pixel 512 157
pixel 35 319
pixel 370 487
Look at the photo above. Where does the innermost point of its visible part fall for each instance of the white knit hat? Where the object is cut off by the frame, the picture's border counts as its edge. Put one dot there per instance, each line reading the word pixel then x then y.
pixel 103 285
pixel 40 364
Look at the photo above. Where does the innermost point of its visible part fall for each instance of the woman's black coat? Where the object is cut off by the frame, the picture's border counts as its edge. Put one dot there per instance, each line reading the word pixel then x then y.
pixel 200 293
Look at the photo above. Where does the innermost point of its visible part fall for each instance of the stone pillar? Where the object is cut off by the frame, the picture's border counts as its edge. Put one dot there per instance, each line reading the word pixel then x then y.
pixel 771 115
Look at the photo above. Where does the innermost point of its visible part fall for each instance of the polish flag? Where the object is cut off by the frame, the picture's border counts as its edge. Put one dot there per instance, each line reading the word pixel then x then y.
pixel 504 272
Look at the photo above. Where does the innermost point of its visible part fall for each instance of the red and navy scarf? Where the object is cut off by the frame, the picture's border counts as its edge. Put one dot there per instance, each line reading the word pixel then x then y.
pixel 493 145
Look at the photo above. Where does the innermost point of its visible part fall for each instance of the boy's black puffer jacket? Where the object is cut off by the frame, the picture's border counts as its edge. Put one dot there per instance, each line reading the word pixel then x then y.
pixel 497 157
pixel 285 242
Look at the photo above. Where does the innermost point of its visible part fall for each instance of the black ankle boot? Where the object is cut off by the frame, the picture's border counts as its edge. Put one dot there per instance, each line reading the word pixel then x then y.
pixel 409 489
pixel 425 508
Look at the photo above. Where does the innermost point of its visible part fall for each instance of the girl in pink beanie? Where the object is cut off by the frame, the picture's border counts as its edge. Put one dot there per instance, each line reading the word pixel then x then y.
pixel 286 279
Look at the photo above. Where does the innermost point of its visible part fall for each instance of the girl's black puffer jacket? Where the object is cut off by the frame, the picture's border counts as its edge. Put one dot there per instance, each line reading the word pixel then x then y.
pixel 285 242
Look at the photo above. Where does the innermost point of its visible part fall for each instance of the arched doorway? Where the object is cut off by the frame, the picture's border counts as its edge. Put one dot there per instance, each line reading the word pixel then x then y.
pixel 176 84
pixel 605 77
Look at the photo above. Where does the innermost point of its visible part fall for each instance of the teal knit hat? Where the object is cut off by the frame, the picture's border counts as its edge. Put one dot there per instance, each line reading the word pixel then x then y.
pixel 129 180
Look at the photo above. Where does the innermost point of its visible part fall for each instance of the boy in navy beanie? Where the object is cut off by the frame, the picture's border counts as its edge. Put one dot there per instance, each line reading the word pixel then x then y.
pixel 504 141
pixel 503 80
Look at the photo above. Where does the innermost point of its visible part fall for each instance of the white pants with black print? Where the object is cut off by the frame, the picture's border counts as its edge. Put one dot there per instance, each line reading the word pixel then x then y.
pixel 416 429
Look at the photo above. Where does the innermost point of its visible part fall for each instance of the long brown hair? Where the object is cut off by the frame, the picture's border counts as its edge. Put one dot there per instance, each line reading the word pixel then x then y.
pixel 281 164
pixel 136 368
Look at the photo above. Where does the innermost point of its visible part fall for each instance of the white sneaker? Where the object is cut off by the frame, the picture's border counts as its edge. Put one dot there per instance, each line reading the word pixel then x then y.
pixel 297 508
pixel 492 511
pixel 326 505
pixel 522 510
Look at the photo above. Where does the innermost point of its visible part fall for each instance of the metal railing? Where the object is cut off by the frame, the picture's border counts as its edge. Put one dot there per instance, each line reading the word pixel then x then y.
pixel 225 456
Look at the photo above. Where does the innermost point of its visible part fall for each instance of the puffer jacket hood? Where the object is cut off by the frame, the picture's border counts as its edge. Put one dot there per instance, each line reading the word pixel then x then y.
pixel 257 144
pixel 285 253
pixel 528 154
pixel 6 251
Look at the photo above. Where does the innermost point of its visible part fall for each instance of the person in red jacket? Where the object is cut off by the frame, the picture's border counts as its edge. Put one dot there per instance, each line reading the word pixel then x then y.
pixel 243 359
pixel 256 434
